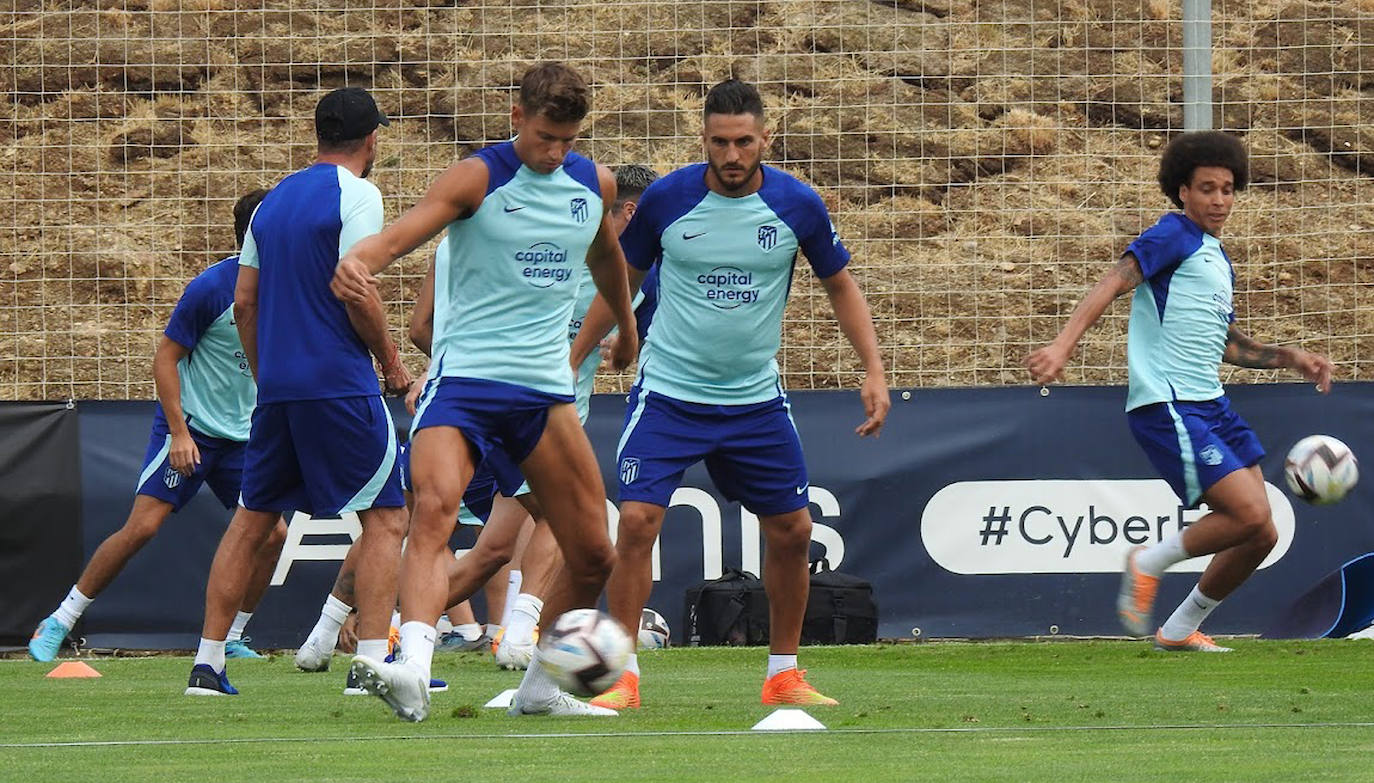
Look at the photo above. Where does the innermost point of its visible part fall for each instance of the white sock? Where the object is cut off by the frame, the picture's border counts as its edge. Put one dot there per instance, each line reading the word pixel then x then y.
pixel 210 652
pixel 524 616
pixel 512 591
pixel 236 630
pixel 376 649
pixel 325 634
pixel 1188 616
pixel 633 666
pixel 468 631
pixel 1156 559
pixel 417 646
pixel 71 607
pixel 537 687
pixel 781 663
pixel 494 630
pixel 396 618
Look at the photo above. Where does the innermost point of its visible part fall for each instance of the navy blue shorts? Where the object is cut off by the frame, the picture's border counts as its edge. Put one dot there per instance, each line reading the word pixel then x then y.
pixel 1194 445
pixel 221 466
pixel 752 452
pixel 502 421
pixel 322 457
pixel 477 500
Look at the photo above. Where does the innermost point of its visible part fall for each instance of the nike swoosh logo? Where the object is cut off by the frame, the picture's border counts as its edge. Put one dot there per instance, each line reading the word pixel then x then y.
pixel 514 209
pixel 800 490
pixel 685 235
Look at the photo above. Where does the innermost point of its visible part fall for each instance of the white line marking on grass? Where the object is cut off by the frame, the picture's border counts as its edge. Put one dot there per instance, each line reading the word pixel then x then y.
pixel 740 733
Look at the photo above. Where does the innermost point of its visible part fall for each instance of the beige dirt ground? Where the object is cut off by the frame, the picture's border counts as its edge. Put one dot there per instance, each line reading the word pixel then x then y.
pixel 985 161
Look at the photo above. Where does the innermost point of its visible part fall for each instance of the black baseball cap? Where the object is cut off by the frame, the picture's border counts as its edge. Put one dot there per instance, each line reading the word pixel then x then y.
pixel 347 113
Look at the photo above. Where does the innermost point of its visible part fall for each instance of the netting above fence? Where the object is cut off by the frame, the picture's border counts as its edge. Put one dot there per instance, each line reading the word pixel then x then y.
pixel 985 161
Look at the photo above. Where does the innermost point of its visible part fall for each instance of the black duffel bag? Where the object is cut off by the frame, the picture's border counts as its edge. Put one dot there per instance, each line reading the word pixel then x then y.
pixel 841 609
pixel 730 610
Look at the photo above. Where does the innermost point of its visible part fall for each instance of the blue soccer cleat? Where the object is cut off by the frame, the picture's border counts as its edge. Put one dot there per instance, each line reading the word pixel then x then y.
pixel 205 681
pixel 47 639
pixel 240 648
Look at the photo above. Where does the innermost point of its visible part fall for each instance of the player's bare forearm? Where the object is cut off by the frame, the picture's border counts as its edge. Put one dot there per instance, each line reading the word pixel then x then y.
pixel 855 319
pixel 168 383
pixel 422 317
pixel 369 321
pixel 1047 362
pixel 599 321
pixel 1243 350
pixel 607 265
pixel 246 314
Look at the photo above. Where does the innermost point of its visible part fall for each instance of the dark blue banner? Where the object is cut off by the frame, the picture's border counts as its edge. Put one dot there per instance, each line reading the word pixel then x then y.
pixel 979 512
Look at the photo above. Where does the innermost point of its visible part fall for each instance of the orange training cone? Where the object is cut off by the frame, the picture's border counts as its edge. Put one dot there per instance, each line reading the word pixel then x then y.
pixel 73 669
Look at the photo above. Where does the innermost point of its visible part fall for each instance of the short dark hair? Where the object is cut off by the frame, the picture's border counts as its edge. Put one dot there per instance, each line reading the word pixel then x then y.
pixel 733 96
pixel 631 180
pixel 1201 148
pixel 243 212
pixel 555 90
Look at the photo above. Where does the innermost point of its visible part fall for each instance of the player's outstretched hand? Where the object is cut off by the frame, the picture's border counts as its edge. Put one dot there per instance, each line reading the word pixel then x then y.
pixel 183 455
pixel 413 396
pixel 1315 368
pixel 396 378
pixel 624 349
pixel 352 281
pixel 1046 364
pixel 876 401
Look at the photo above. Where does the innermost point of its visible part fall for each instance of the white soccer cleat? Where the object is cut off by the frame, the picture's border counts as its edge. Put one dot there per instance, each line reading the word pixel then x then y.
pixel 402 688
pixel 515 657
pixel 561 706
pixel 310 658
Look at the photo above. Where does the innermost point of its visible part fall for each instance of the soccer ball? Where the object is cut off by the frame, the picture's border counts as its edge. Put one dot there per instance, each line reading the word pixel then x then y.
pixel 585 651
pixel 1320 469
pixel 653 630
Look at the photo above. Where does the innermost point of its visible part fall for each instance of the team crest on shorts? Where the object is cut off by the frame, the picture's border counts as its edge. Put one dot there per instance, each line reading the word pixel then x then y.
pixel 768 237
pixel 1211 455
pixel 171 478
pixel 578 207
pixel 629 470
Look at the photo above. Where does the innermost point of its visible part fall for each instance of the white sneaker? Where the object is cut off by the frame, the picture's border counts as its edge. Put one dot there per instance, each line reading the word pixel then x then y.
pixel 310 658
pixel 401 687
pixel 515 657
pixel 562 705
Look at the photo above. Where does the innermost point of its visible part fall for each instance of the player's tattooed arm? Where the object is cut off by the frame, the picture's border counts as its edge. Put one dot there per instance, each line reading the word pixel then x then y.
pixel 1245 351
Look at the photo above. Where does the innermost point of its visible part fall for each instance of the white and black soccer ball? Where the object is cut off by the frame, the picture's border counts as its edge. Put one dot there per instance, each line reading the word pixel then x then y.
pixel 585 651
pixel 1320 469
pixel 653 630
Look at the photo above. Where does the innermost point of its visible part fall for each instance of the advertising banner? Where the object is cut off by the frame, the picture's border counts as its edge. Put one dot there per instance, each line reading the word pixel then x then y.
pixel 978 513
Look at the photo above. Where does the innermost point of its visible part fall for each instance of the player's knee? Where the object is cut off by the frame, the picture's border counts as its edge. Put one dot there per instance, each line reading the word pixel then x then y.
pixel 141 529
pixel 791 532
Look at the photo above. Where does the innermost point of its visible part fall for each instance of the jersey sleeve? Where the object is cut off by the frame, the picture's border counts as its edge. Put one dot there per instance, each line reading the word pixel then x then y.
pixel 642 239
pixel 248 254
pixel 1161 248
pixel 819 240
pixel 360 210
pixel 194 313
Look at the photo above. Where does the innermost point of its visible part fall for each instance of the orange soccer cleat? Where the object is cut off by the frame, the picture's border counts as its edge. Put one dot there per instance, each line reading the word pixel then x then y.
pixel 790 687
pixel 1136 601
pixel 621 696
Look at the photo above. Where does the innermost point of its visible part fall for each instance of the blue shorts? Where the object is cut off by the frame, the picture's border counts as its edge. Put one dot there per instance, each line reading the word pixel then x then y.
pixel 502 421
pixel 752 452
pixel 1194 445
pixel 477 500
pixel 221 466
pixel 322 457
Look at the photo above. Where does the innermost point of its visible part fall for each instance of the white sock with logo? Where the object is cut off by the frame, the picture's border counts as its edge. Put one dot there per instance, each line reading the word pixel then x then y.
pixel 325 634
pixel 1155 560
pixel 781 663
pixel 537 687
pixel 524 616
pixel 71 608
pixel 376 649
pixel 1188 616
pixel 513 583
pixel 417 646
pixel 210 652
pixel 236 630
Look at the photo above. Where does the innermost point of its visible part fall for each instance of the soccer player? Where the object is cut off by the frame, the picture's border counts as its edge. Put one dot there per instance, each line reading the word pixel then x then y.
pixel 1182 327
pixel 322 440
pixel 728 231
pixel 521 215
pixel 200 424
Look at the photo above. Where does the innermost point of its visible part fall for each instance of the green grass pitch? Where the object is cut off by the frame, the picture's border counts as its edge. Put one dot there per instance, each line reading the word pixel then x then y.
pixel 1062 711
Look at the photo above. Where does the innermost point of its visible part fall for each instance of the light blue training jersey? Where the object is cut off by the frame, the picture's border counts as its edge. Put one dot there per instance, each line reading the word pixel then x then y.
pixel 505 293
pixel 217 389
pixel 307 348
pixel 724 280
pixel 1180 314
